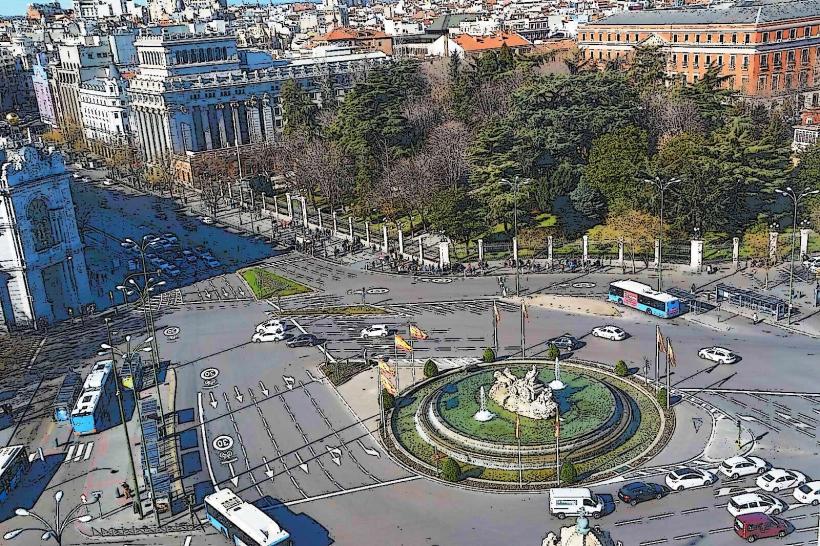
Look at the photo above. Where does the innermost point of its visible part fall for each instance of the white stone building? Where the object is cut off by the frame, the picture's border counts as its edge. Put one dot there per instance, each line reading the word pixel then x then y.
pixel 42 267
pixel 104 109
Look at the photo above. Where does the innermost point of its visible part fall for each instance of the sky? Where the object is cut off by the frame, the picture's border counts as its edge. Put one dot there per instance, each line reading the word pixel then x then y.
pixel 18 7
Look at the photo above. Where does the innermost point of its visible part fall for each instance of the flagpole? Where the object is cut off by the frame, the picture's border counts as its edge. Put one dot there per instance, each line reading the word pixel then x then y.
pixel 657 356
pixel 495 330
pixel 557 457
pixel 412 353
pixel 396 356
pixel 668 394
pixel 379 393
pixel 523 334
pixel 520 468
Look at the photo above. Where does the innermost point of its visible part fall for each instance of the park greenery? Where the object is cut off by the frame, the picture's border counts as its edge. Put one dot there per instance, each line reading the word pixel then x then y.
pixel 266 284
pixel 437 146
pixel 430 369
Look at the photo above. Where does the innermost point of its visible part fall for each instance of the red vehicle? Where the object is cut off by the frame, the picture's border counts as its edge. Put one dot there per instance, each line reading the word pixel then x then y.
pixel 759 525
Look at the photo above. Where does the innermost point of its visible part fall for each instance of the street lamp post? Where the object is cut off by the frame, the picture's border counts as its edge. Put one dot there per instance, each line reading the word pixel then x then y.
pixel 796 198
pixel 514 184
pixel 661 186
pixel 50 530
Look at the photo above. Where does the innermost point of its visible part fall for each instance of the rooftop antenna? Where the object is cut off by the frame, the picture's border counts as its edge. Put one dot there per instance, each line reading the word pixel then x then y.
pixel 759 10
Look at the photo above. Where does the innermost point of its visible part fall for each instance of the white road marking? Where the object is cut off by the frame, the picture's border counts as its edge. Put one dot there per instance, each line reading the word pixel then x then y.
pixel 78 455
pixel 205 441
pixel 88 451
pixel 71 449
pixel 353 490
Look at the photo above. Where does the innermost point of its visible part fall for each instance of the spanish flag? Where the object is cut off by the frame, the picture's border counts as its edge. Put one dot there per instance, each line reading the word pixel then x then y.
pixel 496 314
pixel 517 427
pixel 659 337
pixel 388 386
pixel 557 425
pixel 417 333
pixel 671 354
pixel 402 344
pixel 524 310
pixel 384 366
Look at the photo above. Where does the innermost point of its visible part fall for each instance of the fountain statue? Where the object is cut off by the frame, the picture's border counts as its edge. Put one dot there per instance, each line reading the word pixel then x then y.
pixel 557 384
pixel 482 415
pixel 527 396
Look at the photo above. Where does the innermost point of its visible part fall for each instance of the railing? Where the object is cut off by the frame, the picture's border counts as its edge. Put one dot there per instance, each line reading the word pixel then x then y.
pixel 145 530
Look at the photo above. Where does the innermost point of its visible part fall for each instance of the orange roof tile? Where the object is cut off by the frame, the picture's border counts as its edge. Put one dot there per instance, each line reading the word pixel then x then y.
pixel 471 43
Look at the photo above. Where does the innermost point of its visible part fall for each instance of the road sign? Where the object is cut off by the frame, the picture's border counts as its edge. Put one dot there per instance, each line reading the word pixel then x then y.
pixel 222 443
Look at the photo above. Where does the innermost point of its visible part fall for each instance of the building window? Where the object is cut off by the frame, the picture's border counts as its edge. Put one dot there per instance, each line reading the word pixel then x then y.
pixel 734 38
pixel 775 82
pixel 685 60
pixel 815 100
pixel 618 37
pixel 777 59
pixel 674 37
pixel 720 38
pixel 697 38
pixel 761 83
pixel 793 34
pixel 696 61
pixel 765 37
pixel 804 55
pixel 708 60
pixel 803 79
pixel 790 56
pixel 731 61
pixel 747 38
pixel 788 81
pixel 41 227
pixel 685 37
pixel 778 36
pixel 708 38
pixel 608 37
pixel 600 36
pixel 583 36
pixel 807 32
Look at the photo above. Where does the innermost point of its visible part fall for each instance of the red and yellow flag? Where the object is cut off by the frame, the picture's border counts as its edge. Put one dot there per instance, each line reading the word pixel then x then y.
pixel 385 368
pixel 671 353
pixel 496 314
pixel 517 426
pixel 557 426
pixel 524 310
pixel 417 333
pixel 388 386
pixel 402 344
pixel 659 337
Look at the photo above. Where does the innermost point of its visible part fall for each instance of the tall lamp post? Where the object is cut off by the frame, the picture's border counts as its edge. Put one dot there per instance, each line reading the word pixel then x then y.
pixel 515 184
pixel 796 198
pixel 50 530
pixel 661 185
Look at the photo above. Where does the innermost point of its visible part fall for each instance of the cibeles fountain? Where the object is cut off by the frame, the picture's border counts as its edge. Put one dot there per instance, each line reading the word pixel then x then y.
pixel 527 396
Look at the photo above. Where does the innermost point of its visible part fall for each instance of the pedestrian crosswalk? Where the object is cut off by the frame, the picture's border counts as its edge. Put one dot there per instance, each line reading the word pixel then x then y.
pixel 78 452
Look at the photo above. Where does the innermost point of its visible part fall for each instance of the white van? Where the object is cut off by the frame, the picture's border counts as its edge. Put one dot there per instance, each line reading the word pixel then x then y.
pixel 570 501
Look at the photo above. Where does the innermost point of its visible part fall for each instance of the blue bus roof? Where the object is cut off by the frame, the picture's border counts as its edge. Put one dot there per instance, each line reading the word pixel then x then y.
pixel 644 290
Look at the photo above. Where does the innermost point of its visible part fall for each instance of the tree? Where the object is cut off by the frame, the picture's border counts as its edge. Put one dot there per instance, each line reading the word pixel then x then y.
pixel 298 111
pixel 450 470
pixel 637 229
pixel 647 69
pixel 446 147
pixel 569 474
pixel 456 213
pixel 588 200
pixel 430 369
pixel 614 161
pixel 388 400
pixel 488 355
pixel 621 369
pixel 553 351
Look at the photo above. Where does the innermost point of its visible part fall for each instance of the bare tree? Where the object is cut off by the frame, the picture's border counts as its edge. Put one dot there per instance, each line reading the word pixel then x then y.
pixel 668 116
pixel 423 115
pixel 446 152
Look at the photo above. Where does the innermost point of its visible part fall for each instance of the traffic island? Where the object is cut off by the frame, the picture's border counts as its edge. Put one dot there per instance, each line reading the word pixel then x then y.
pixel 606 424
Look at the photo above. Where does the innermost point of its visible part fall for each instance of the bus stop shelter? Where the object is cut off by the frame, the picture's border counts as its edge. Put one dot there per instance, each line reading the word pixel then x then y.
pixel 750 299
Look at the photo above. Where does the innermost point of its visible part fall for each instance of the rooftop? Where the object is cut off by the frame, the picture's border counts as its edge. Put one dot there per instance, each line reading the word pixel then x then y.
pixel 471 43
pixel 261 528
pixel 760 12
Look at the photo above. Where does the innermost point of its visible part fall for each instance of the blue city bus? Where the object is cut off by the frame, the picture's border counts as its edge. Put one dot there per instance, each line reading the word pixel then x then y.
pixel 92 410
pixel 641 297
pixel 243 523
pixel 67 396
pixel 13 466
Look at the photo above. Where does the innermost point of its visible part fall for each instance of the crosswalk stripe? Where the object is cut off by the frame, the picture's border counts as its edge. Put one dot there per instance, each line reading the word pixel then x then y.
pixel 71 449
pixel 79 453
pixel 88 451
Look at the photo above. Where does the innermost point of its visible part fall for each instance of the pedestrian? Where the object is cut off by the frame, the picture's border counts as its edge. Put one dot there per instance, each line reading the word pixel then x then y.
pixel 694 289
pixel 754 318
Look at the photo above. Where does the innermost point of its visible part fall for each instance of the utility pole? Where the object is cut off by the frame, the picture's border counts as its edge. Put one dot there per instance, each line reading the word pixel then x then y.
pixel 661 186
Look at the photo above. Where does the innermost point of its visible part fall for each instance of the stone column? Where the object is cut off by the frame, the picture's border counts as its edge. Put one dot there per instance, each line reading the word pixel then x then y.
pixel 657 253
pixel 549 248
pixel 620 251
pixel 585 248
pixel 367 232
pixel 335 225
pixel 773 246
pixel 515 249
pixel 206 128
pixel 289 205
pixel 304 212
pixel 804 241
pixel 443 253
pixel 735 251
pixel 267 115
pixel 319 210
pixel 401 242
pixel 384 238
pixel 696 254
pixel 350 227
pixel 254 123
pixel 264 202
pixel 223 133
pixel 481 250
pixel 276 204
pixel 421 249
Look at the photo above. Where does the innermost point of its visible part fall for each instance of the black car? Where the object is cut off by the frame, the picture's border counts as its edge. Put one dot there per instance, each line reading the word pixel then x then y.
pixel 302 340
pixel 565 342
pixel 636 492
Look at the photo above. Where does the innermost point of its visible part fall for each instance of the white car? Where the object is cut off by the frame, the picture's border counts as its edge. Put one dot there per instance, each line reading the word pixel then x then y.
pixel 736 467
pixel 721 355
pixel 813 264
pixel 610 332
pixel 778 478
pixel 207 220
pixel 755 502
pixel 807 493
pixel 108 182
pixel 268 335
pixel 271 325
pixel 686 478
pixel 376 330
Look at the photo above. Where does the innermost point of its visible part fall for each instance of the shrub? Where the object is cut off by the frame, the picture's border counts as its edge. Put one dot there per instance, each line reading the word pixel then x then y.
pixel 430 369
pixel 662 397
pixel 568 473
pixel 388 400
pixel 553 351
pixel 488 356
pixel 450 470
pixel 621 370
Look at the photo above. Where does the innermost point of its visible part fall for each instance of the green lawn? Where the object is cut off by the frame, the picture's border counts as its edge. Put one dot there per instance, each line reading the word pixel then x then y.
pixel 267 284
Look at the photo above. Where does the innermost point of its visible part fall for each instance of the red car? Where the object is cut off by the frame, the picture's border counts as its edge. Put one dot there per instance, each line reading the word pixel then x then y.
pixel 759 525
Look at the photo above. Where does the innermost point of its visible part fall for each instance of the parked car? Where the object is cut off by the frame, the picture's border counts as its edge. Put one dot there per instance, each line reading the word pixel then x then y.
pixel 189 256
pixel 171 238
pixel 751 527
pixel 375 330
pixel 778 478
pixel 303 340
pixel 686 478
pixel 613 333
pixel 572 501
pixel 720 355
pixel 268 335
pixel 565 342
pixel 635 492
pixel 272 324
pixel 108 182
pixel 213 263
pixel 736 467
pixel 749 503
pixel 207 220
pixel 808 493
pixel 812 264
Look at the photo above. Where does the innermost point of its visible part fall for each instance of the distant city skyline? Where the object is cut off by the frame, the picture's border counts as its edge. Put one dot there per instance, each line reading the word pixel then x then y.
pixel 18 7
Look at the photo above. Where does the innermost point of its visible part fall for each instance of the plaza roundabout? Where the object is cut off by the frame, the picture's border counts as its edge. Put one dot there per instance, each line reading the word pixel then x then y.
pixel 507 438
